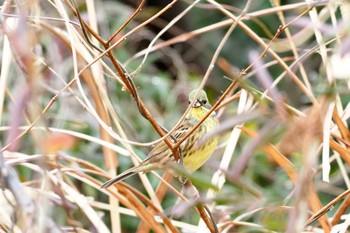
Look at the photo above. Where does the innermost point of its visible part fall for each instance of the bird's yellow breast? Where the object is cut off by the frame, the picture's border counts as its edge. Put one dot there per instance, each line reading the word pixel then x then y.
pixel 200 150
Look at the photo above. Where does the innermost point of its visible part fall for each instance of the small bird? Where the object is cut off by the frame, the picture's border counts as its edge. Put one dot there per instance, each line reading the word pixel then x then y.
pixel 194 150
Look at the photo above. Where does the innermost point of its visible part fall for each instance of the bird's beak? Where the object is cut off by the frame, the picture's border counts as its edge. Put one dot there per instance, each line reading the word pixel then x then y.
pixel 197 104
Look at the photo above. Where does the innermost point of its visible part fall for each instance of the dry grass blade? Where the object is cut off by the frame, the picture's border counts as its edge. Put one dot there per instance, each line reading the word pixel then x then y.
pixel 87 88
pixel 327 207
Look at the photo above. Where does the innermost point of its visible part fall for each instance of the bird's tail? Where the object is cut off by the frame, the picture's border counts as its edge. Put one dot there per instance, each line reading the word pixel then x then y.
pixel 142 167
pixel 118 178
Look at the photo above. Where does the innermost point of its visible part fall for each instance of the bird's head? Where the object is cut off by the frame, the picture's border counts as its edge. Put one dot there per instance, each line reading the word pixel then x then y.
pixel 200 101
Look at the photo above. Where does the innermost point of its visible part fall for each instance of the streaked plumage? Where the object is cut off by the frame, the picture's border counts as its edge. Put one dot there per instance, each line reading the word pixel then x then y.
pixel 195 152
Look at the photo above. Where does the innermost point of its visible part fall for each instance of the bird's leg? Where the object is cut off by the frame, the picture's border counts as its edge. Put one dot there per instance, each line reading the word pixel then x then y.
pixel 203 210
pixel 191 191
pixel 183 180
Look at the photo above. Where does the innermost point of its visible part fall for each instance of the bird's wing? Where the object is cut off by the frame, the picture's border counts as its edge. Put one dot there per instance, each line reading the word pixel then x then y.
pixel 162 147
pixel 182 130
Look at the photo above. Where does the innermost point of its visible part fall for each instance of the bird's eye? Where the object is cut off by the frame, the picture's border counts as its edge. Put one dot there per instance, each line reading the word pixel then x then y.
pixel 204 102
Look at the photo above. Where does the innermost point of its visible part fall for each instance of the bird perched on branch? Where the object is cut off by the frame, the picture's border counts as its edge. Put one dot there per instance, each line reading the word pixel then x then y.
pixel 194 150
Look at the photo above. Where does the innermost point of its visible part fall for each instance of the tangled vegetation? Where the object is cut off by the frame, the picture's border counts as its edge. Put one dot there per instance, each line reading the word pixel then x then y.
pixel 88 87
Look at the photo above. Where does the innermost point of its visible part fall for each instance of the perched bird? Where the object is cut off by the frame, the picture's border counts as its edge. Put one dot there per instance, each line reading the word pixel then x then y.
pixel 194 150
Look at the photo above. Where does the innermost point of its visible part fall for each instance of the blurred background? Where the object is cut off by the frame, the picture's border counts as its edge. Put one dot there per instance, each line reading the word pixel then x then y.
pixel 70 118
